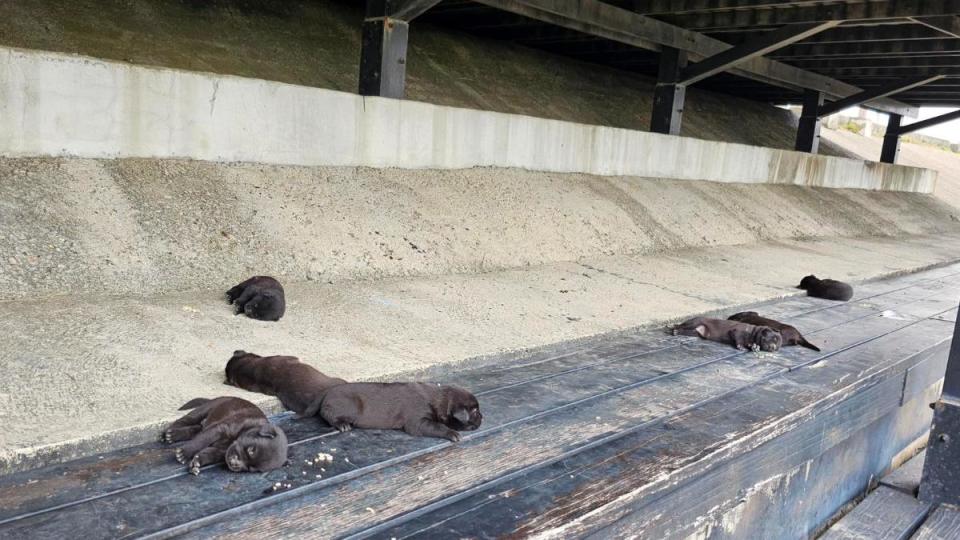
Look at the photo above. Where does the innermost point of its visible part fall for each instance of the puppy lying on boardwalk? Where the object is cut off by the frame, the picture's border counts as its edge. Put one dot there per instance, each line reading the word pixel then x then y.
pixel 420 409
pixel 300 387
pixel 260 297
pixel 826 288
pixel 227 429
pixel 740 335
pixel 790 335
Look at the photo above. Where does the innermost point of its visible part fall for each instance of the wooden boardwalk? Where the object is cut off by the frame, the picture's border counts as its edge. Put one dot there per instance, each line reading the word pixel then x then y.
pixel 643 433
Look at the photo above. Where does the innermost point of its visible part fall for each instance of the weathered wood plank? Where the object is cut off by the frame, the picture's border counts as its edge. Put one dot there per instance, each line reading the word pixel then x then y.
pixel 886 514
pixel 548 379
pixel 681 444
pixel 906 477
pixel 78 480
pixel 919 377
pixel 534 444
pixel 943 524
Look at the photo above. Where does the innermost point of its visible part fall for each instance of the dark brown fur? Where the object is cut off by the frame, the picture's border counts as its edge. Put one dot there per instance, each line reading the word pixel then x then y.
pixel 300 387
pixel 791 336
pixel 260 297
pixel 227 429
pixel 740 335
pixel 826 288
pixel 420 409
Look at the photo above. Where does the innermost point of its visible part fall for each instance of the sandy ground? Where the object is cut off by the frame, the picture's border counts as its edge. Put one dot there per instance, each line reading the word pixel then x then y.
pixel 146 227
pixel 917 155
pixel 105 371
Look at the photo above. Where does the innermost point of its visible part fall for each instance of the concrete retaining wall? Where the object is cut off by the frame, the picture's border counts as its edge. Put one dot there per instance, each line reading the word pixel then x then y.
pixel 60 105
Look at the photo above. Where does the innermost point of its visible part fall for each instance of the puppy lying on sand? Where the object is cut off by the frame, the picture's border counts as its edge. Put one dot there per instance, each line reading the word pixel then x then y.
pixel 227 429
pixel 300 387
pixel 420 409
pixel 826 288
pixel 740 335
pixel 260 297
pixel 790 335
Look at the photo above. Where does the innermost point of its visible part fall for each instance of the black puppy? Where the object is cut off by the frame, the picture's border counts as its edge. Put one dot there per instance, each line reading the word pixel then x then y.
pixel 300 387
pixel 740 335
pixel 420 409
pixel 791 336
pixel 227 429
pixel 826 288
pixel 260 297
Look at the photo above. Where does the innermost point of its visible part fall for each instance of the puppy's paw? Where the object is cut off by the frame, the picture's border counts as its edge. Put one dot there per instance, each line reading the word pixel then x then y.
pixel 178 453
pixel 452 436
pixel 343 427
pixel 755 348
pixel 674 331
pixel 194 467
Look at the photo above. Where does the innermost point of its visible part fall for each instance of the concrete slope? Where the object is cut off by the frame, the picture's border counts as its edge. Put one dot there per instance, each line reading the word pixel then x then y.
pixel 145 227
pixel 87 372
pixel 317 43
pixel 947 164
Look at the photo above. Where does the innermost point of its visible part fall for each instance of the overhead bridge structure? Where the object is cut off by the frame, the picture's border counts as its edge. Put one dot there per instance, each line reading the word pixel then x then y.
pixel 892 56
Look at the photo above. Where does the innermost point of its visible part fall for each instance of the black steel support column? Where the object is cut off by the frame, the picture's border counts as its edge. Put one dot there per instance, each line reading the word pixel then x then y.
pixel 891 140
pixel 383 56
pixel 808 131
pixel 668 95
pixel 941 468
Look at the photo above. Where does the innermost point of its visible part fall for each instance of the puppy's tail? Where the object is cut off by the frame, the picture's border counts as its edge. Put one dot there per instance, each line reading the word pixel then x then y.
pixel 804 343
pixel 194 403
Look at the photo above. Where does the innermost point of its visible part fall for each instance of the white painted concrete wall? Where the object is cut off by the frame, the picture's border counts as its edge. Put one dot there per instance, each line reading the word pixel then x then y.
pixel 62 105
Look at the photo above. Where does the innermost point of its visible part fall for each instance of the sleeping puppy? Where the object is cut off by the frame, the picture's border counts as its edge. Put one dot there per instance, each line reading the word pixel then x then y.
pixel 826 288
pixel 260 297
pixel 740 335
pixel 790 335
pixel 300 387
pixel 420 409
pixel 227 429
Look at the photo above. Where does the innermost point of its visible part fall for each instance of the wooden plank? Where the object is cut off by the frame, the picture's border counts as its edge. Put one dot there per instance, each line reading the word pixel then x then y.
pixel 543 441
pixel 886 514
pixel 634 467
pixel 919 377
pixel 96 479
pixel 943 524
pixel 906 477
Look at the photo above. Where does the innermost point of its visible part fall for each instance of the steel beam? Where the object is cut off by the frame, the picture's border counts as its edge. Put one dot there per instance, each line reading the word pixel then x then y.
pixel 947 24
pixel 759 46
pixel 936 120
pixel 754 15
pixel 611 22
pixel 669 94
pixel 405 10
pixel 808 129
pixel 383 45
pixel 874 93
pixel 881 49
pixel 891 140
pixel 941 475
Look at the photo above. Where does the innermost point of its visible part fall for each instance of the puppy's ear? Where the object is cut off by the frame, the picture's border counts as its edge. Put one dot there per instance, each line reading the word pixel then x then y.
pixel 268 431
pixel 462 415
